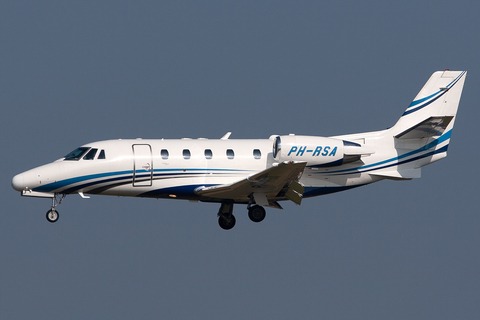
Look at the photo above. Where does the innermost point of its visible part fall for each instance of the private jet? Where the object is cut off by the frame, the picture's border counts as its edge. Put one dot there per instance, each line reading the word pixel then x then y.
pixel 256 172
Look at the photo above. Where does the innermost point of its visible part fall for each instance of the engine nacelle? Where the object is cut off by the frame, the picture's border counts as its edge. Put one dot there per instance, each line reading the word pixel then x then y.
pixel 318 151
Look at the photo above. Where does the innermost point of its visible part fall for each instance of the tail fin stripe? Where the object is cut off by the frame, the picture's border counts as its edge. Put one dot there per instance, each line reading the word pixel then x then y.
pixel 416 102
pixel 423 105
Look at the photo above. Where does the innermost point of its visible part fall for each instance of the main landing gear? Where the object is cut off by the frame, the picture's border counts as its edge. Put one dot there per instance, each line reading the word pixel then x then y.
pixel 256 213
pixel 227 220
pixel 52 214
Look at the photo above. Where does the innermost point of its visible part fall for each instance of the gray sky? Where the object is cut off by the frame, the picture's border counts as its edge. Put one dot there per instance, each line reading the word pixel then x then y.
pixel 77 72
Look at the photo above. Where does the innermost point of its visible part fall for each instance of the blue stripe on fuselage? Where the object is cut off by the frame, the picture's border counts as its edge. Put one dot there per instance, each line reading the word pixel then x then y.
pixel 60 186
pixel 430 145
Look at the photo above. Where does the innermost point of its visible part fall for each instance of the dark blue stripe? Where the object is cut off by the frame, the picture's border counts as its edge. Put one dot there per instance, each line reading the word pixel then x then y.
pixel 185 191
pixel 60 184
pixel 424 105
pixel 126 175
pixel 449 86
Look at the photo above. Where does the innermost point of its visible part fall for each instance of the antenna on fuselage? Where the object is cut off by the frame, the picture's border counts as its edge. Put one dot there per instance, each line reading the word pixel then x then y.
pixel 226 136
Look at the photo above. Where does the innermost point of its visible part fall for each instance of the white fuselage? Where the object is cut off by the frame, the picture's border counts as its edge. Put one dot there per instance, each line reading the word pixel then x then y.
pixel 142 168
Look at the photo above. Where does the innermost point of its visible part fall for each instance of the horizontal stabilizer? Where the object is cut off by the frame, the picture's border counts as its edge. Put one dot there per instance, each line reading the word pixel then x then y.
pixel 399 175
pixel 432 127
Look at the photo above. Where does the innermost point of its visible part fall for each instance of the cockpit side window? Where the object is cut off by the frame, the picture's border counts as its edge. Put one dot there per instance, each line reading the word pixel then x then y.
pixel 102 154
pixel 90 155
pixel 77 154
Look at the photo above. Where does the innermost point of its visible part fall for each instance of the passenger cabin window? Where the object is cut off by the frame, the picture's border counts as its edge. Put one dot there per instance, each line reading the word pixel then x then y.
pixel 186 154
pixel 76 154
pixel 102 154
pixel 90 155
pixel 164 154
pixel 257 154
pixel 230 154
pixel 208 154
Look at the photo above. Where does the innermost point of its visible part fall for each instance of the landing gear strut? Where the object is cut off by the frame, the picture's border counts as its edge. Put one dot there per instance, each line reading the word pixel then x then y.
pixel 52 214
pixel 226 219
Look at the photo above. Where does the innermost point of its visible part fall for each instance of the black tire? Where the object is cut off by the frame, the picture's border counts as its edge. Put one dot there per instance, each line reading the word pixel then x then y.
pixel 52 215
pixel 256 213
pixel 226 223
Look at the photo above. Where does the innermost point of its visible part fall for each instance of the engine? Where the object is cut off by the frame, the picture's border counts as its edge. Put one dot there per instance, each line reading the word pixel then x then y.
pixel 317 151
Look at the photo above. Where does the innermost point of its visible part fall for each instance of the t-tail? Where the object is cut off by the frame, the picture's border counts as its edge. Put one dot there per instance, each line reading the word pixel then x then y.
pixel 422 134
pixel 432 112
pixel 429 119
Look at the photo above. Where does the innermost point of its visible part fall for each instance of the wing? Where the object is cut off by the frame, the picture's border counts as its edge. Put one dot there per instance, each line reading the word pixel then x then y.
pixel 275 183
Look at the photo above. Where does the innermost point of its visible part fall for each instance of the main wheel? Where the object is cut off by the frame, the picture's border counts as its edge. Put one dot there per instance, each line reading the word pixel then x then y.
pixel 52 215
pixel 226 223
pixel 256 213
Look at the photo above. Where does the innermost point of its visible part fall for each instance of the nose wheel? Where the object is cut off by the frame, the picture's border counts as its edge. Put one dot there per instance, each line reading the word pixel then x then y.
pixel 52 215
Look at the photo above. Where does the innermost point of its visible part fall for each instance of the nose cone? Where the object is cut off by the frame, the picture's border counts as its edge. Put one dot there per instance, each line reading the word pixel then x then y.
pixel 18 182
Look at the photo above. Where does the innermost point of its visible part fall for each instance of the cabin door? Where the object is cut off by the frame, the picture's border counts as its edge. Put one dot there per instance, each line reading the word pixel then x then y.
pixel 142 165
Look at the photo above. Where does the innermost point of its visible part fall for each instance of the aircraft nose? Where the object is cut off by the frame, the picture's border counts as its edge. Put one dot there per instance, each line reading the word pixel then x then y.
pixel 18 182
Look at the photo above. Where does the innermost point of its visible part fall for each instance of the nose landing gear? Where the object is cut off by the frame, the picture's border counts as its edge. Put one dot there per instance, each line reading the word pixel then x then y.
pixel 52 214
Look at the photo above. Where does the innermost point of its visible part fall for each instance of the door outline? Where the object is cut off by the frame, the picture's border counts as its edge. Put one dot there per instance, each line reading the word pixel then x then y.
pixel 142 165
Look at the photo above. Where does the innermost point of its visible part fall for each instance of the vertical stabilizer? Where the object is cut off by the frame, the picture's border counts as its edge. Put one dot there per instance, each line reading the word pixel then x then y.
pixel 422 134
pixel 434 106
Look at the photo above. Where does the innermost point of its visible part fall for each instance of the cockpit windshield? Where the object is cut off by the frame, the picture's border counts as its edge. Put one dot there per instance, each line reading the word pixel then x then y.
pixel 76 154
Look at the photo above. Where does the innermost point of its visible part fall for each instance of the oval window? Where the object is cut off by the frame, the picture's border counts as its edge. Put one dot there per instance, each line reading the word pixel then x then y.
pixel 164 154
pixel 208 154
